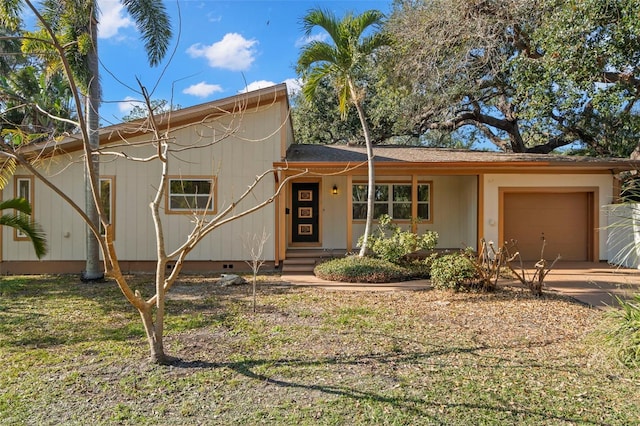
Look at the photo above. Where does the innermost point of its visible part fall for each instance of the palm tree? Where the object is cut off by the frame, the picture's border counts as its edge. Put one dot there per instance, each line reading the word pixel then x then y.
pixel 75 24
pixel 152 21
pixel 25 93
pixel 22 223
pixel 343 61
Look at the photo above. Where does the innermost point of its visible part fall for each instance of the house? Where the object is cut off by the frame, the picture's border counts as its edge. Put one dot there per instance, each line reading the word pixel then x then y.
pixel 463 195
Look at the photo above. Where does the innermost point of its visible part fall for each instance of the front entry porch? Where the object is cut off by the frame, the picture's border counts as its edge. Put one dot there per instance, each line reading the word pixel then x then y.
pixel 302 261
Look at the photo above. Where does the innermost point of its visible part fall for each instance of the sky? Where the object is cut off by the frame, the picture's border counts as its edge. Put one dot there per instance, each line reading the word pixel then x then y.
pixel 219 49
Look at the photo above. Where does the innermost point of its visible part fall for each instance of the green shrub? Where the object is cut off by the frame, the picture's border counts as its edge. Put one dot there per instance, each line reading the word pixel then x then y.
pixel 354 269
pixel 391 243
pixel 453 271
pixel 418 268
pixel 625 335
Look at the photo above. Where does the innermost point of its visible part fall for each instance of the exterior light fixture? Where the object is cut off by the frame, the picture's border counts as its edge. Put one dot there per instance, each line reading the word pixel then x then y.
pixel 334 191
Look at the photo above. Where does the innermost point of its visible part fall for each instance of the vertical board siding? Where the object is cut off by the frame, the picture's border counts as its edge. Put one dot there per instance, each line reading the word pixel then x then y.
pixel 236 161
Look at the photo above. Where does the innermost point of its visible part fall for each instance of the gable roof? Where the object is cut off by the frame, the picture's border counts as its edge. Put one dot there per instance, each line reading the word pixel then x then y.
pixel 413 156
pixel 177 118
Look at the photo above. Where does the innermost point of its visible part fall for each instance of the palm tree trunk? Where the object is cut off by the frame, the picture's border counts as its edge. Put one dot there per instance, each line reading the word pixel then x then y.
pixel 371 186
pixel 92 271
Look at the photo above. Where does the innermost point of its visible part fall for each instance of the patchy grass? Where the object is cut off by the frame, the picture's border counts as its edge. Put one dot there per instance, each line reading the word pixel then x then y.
pixel 74 353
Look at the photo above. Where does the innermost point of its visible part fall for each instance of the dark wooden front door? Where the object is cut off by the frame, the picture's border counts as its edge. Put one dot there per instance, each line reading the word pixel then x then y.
pixel 305 212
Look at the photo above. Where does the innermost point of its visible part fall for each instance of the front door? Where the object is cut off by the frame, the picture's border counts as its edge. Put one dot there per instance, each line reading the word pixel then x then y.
pixel 305 212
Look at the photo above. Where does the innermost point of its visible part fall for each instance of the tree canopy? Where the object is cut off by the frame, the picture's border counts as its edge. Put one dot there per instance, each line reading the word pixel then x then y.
pixel 530 76
pixel 518 75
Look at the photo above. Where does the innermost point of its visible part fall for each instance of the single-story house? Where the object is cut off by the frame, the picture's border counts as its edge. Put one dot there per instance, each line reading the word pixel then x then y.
pixel 463 195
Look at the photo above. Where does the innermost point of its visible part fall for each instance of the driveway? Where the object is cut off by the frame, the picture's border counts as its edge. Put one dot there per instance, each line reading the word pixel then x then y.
pixel 594 284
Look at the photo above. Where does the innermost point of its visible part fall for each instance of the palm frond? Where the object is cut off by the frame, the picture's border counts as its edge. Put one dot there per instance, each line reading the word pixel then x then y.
pixel 373 42
pixel 345 58
pixel 32 230
pixel 324 19
pixel 7 170
pixel 315 52
pixel 368 18
pixel 153 22
pixel 313 78
pixel 10 14
pixel 344 97
pixel 20 204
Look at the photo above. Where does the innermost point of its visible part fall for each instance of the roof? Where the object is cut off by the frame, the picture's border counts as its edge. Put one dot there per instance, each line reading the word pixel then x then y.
pixel 175 118
pixel 443 157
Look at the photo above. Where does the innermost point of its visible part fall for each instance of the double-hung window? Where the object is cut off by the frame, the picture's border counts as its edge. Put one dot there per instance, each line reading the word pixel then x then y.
pixel 424 201
pixel 394 199
pixel 187 195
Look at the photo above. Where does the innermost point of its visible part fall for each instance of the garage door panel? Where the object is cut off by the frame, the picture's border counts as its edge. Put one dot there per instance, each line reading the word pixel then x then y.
pixel 561 218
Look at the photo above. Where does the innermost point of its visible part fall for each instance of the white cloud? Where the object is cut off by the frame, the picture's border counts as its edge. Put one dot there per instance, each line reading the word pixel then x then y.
pixel 294 85
pixel 112 18
pixel 127 105
pixel 260 84
pixel 303 41
pixel 233 52
pixel 202 89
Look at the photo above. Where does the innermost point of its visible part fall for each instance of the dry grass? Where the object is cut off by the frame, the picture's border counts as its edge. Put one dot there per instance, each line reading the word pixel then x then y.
pixel 74 354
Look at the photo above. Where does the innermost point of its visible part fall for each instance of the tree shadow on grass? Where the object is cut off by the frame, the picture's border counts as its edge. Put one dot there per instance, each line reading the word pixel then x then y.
pixel 408 404
pixel 43 311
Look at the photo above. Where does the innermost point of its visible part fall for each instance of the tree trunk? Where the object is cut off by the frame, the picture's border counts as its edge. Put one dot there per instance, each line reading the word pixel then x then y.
pixel 92 270
pixel 371 188
pixel 156 345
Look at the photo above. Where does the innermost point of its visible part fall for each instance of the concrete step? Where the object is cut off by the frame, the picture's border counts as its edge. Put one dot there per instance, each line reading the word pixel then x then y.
pixel 299 264
pixel 300 261
pixel 296 269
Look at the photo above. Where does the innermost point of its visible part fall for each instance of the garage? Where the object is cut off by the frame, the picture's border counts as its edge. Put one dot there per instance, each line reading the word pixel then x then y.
pixel 564 219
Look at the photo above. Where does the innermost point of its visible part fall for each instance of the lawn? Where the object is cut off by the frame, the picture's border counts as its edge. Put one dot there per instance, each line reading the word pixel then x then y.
pixel 75 353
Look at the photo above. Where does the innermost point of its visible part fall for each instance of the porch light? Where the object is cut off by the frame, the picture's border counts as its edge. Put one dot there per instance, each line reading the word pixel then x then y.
pixel 334 191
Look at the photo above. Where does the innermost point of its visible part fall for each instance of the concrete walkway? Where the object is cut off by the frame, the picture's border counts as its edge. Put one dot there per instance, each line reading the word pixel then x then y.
pixel 594 284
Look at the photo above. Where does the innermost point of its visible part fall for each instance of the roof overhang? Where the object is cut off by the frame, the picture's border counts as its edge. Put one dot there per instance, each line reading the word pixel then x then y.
pixel 390 159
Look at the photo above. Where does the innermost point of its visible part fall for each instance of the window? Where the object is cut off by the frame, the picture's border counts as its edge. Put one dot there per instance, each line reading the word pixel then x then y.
pixel 106 198
pixel 188 195
pixel 24 189
pixel 392 199
pixel 424 201
pixel 401 202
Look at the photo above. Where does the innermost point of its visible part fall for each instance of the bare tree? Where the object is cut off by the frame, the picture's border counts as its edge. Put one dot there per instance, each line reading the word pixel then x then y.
pixel 254 244
pixel 158 138
pixel 535 280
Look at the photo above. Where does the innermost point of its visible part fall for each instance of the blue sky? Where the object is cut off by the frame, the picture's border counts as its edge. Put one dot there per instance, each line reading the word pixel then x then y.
pixel 219 49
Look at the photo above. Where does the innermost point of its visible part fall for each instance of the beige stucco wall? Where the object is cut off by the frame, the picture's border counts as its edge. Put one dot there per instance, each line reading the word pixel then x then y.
pixel 493 182
pixel 235 161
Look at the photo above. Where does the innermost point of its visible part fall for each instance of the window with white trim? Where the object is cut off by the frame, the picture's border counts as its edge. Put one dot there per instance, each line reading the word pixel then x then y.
pixel 189 195
pixel 394 199
pixel 24 189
